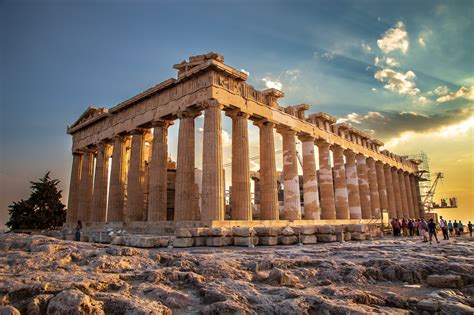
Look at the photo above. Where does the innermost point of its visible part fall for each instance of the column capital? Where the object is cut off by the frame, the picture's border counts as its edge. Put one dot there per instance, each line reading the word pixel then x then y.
pixel 361 158
pixel 188 113
pixel 322 143
pixel 305 137
pixel 165 123
pixel 210 103
pixel 337 148
pixel 283 129
pixel 370 159
pixel 264 122
pixel 236 113
pixel 138 131
pixel 386 166
pixel 78 152
pixel 349 153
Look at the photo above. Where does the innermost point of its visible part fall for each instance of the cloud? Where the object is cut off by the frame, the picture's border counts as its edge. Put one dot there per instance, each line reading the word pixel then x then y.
pixel 392 62
pixel 292 74
pixel 398 81
pixel 463 92
pixel 359 119
pixel 395 38
pixel 423 100
pixel 272 84
pixel 366 46
pixel 327 55
pixel 381 62
pixel 245 71
pixel 441 90
pixel 421 41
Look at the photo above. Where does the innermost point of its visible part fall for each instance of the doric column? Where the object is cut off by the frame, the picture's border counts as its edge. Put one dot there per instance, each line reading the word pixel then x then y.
pixel 364 190
pixel 136 177
pixel 353 186
pixel 85 186
pixel 328 208
pixel 268 177
pixel 116 210
pixel 241 198
pixel 292 205
pixel 158 172
pixel 340 186
pixel 99 197
pixel 403 194
pixel 381 185
pixel 392 208
pixel 416 196
pixel 184 205
pixel 397 191
pixel 212 172
pixel 374 188
pixel 312 210
pixel 73 197
pixel 411 209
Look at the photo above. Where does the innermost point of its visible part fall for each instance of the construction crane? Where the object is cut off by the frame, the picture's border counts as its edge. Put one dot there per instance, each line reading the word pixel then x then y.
pixel 428 202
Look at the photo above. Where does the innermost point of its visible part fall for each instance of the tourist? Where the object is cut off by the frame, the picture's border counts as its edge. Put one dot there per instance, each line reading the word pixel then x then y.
pixel 422 229
pixel 404 227
pixel 455 228
pixel 469 227
pixel 461 228
pixel 395 227
pixel 444 228
pixel 450 228
pixel 410 227
pixel 417 227
pixel 432 230
pixel 78 231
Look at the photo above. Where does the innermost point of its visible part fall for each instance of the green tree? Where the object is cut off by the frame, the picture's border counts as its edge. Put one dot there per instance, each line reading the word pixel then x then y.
pixel 43 209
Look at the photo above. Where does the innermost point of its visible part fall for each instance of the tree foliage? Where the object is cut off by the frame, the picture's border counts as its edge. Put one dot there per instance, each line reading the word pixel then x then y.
pixel 42 210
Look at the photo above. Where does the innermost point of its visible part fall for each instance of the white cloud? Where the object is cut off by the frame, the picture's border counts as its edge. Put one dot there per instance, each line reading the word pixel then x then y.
pixel 423 100
pixel 245 71
pixel 374 89
pixel 398 81
pixel 359 119
pixel 391 62
pixel 327 55
pixel 395 38
pixel 366 46
pixel 421 41
pixel 441 90
pixel 292 74
pixel 463 92
pixel 272 84
pixel 226 139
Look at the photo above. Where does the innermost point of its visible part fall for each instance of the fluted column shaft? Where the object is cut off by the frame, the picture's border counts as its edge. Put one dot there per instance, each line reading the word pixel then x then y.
pixel 212 172
pixel 292 206
pixel 364 190
pixel 397 190
pixel 85 187
pixel 381 185
pixel 416 193
pixel 99 196
pixel 116 209
pixel 184 207
pixel 136 178
pixel 374 188
pixel 328 208
pixel 312 209
pixel 268 177
pixel 403 194
pixel 158 173
pixel 340 185
pixel 411 209
pixel 392 208
pixel 353 186
pixel 241 198
pixel 73 197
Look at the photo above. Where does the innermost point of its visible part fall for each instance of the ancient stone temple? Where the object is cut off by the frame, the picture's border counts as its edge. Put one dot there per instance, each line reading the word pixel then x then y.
pixel 121 171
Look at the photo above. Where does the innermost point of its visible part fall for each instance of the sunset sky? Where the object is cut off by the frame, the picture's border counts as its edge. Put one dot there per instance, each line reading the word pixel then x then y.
pixel 402 71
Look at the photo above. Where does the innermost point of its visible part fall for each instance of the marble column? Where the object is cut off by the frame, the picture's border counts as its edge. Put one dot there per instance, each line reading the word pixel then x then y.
pixel 99 196
pixel 115 211
pixel 312 209
pixel 340 184
pixel 85 186
pixel 416 196
pixel 374 188
pixel 411 210
pixel 397 191
pixel 392 208
pixel 381 185
pixel 136 178
pixel 353 185
pixel 158 172
pixel 403 194
pixel 212 171
pixel 326 186
pixel 184 203
pixel 268 177
pixel 241 197
pixel 364 190
pixel 73 197
pixel 292 205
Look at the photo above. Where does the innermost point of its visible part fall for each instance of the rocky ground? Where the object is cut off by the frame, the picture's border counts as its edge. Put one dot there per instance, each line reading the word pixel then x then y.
pixel 41 275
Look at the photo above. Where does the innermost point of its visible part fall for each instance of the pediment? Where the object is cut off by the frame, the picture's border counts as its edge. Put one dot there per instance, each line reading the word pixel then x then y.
pixel 90 114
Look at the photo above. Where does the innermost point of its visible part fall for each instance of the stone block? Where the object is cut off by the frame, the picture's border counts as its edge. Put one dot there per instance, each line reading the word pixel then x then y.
pixel 198 231
pixel 200 241
pixel 268 240
pixel 289 239
pixel 117 240
pixel 356 236
pixel 325 229
pixel 183 242
pixel 183 233
pixel 84 238
pixel 219 231
pixel 308 239
pixel 445 281
pixel 347 236
pixel 304 229
pixel 339 228
pixel 429 305
pixel 245 241
pixel 339 236
pixel 326 237
pixel 218 241
pixel 243 231
pixel 163 242
pixel 268 230
pixel 288 231
pixel 141 241
pixel 359 228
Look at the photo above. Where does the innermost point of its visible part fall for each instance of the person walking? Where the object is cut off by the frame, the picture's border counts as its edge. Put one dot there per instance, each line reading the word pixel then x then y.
pixel 392 223
pixel 78 231
pixel 404 227
pixel 444 228
pixel 455 228
pixel 432 230
pixel 410 227
pixel 460 228
pixel 422 229
pixel 469 227
pixel 450 228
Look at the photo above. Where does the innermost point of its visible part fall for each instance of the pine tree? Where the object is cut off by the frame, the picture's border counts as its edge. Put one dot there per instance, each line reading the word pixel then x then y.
pixel 42 210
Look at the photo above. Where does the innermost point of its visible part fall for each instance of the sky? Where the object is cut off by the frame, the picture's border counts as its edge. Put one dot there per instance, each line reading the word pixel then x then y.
pixel 403 71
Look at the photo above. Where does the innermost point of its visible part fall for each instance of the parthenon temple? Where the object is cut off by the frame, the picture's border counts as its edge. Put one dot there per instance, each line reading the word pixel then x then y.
pixel 121 170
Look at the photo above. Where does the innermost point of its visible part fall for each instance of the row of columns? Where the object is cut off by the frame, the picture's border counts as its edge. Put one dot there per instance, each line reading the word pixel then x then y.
pixel 356 187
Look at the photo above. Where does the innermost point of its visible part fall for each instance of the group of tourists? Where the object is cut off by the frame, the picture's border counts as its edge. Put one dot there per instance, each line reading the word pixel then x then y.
pixel 428 229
